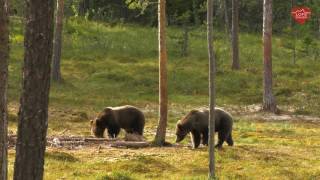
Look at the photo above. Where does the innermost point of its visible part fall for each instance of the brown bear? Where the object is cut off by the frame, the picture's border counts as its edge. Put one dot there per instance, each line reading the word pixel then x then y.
pixel 129 118
pixel 197 122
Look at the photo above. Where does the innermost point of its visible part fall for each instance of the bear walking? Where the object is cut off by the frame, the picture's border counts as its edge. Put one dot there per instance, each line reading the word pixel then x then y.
pixel 196 122
pixel 129 118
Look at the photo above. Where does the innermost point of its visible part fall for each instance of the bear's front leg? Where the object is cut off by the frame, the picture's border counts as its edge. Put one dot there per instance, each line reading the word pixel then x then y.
pixel 196 138
pixel 230 140
pixel 205 138
pixel 113 133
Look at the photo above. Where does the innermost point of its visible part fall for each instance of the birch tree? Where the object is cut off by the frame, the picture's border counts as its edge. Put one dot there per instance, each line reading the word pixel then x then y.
pixel 212 70
pixel 57 43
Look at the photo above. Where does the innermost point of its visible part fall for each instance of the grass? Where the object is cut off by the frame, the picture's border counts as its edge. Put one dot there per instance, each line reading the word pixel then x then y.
pixel 263 149
pixel 110 66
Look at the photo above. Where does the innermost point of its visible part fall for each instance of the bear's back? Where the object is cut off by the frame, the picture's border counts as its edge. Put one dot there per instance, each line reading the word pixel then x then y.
pixel 220 115
pixel 125 107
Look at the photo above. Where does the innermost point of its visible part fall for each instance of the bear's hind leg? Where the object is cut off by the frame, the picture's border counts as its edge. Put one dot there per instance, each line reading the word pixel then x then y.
pixel 138 125
pixel 138 129
pixel 230 140
pixel 196 138
pixel 222 136
pixel 205 138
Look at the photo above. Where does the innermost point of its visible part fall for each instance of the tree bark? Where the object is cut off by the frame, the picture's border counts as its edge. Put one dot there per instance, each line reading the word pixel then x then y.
pixel 235 35
pixel 33 111
pixel 212 70
pixel 163 94
pixel 269 102
pixel 57 43
pixel 4 56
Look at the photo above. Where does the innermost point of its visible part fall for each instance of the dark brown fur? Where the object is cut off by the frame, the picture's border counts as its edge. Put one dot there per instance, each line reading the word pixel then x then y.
pixel 129 118
pixel 196 123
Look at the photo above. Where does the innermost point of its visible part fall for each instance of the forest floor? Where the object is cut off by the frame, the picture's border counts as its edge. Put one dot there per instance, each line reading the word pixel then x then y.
pixel 104 65
pixel 266 145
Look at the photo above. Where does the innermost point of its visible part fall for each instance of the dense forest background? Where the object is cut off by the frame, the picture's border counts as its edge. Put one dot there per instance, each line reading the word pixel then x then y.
pixel 181 12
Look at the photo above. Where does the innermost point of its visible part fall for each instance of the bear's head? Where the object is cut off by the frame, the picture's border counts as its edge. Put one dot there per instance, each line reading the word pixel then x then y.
pixel 184 126
pixel 99 124
pixel 181 133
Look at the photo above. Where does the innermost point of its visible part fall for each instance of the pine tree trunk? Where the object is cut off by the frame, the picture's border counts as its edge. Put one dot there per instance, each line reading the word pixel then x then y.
pixel 319 27
pixel 84 6
pixel 294 32
pixel 57 43
pixel 195 12
pixel 163 94
pixel 185 45
pixel 226 19
pixel 269 102
pixel 4 56
pixel 33 112
pixel 212 70
pixel 235 35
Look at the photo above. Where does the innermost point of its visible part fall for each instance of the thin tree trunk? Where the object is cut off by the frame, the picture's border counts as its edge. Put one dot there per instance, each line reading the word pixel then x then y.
pixel 163 94
pixel 235 35
pixel 84 7
pixel 185 45
pixel 319 27
pixel 195 12
pixel 57 43
pixel 269 102
pixel 294 32
pixel 33 112
pixel 4 56
pixel 212 70
pixel 226 19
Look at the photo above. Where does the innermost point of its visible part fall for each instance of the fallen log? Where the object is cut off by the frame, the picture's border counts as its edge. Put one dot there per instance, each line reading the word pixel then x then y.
pixel 129 144
pixel 65 141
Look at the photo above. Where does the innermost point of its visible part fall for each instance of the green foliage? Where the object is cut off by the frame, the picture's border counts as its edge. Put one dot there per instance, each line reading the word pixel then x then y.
pixel 112 65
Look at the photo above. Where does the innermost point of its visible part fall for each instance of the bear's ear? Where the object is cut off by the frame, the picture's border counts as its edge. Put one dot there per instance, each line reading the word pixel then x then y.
pixel 193 111
pixel 179 126
pixel 91 122
pixel 107 109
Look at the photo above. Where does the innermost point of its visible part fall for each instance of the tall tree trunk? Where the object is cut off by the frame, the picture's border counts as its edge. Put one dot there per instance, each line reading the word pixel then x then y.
pixel 235 35
pixel 84 7
pixel 269 102
pixel 195 12
pixel 319 26
pixel 185 44
pixel 226 19
pixel 212 70
pixel 57 43
pixel 294 33
pixel 33 112
pixel 163 93
pixel 4 56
